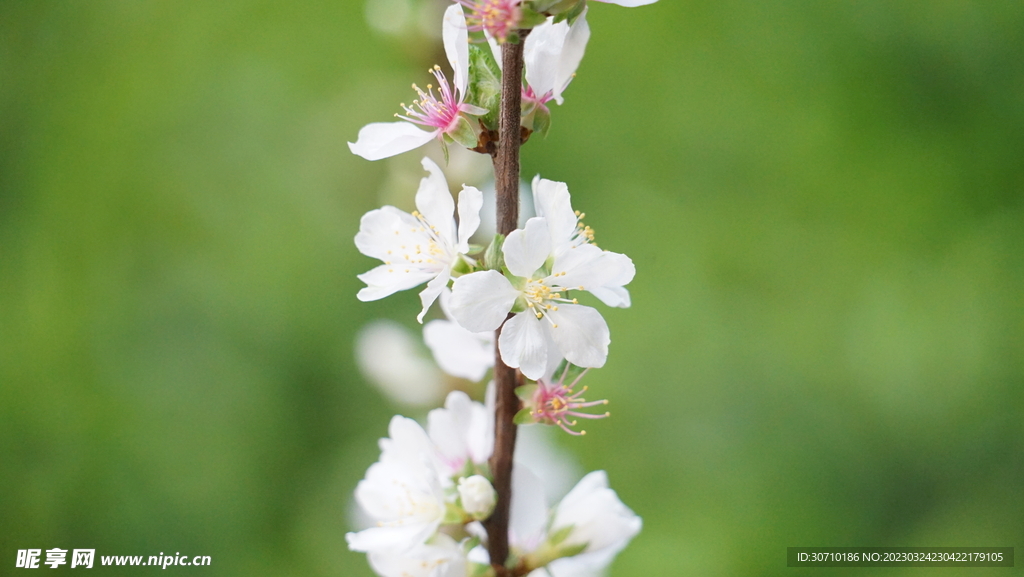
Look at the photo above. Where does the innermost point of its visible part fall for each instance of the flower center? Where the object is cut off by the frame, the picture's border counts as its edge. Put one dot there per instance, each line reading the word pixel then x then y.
pixel 558 404
pixel 498 17
pixel 542 299
pixel 439 111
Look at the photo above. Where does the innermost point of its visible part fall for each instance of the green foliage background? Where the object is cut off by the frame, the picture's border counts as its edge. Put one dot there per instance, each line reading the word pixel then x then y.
pixel 823 201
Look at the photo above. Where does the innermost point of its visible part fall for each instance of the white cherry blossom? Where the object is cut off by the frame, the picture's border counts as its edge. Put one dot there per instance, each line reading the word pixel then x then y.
pixel 599 522
pixel 401 492
pixel 443 113
pixel 421 247
pixel 442 557
pixel 547 268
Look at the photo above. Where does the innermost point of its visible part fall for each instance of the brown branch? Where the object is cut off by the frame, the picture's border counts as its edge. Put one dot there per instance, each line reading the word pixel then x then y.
pixel 506 379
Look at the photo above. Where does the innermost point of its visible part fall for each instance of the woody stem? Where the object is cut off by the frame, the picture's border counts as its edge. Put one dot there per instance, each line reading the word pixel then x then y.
pixel 506 379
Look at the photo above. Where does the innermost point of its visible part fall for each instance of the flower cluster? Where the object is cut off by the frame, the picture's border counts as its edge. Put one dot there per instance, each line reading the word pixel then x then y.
pixel 525 298
pixel 429 490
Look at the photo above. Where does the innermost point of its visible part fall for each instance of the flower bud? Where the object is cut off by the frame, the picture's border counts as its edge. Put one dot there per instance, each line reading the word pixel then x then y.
pixel 478 496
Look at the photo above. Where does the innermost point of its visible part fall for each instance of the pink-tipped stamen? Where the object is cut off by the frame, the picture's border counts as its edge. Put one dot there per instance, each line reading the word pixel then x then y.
pixel 499 18
pixel 440 111
pixel 558 404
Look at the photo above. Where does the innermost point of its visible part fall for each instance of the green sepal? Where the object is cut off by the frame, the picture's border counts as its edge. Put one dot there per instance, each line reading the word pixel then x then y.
pixel 567 10
pixel 541 120
pixel 556 538
pixel 525 392
pixel 464 133
pixel 524 417
pixel 572 550
pixel 480 570
pixel 454 515
pixel 475 248
pixel 529 18
pixel 484 84
pixel 494 258
pixel 461 267
pixel 550 6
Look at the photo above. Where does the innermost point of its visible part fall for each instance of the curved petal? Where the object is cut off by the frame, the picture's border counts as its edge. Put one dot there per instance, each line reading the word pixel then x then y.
pixel 387 279
pixel 457 351
pixel 455 34
pixel 524 344
pixel 434 201
pixel 581 335
pixel 434 288
pixel 377 229
pixel 541 54
pixel 527 248
pixel 481 300
pixel 551 201
pixel 598 518
pixel 528 511
pixel 601 272
pixel 571 55
pixel 383 139
pixel 470 202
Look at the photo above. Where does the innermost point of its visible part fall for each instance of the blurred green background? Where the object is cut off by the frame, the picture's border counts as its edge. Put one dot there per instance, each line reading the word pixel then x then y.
pixel 823 201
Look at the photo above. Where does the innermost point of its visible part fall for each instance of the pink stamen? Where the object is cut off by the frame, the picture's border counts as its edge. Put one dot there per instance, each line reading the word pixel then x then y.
pixel 441 113
pixel 498 17
pixel 555 403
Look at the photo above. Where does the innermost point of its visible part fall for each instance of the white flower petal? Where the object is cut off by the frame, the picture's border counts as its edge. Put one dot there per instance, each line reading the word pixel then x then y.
pixel 387 353
pixel 571 55
pixel 455 34
pixel 383 139
pixel 470 202
pixel 581 335
pixel 481 300
pixel 442 557
pixel 541 54
pixel 377 230
pixel 601 272
pixel 462 430
pixel 386 280
pixel 434 201
pixel 551 201
pixel 524 344
pixel 434 288
pixel 597 516
pixel 528 511
pixel 457 351
pixel 495 48
pixel 527 248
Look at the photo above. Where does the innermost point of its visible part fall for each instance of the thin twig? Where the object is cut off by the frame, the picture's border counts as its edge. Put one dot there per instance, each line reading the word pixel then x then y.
pixel 506 180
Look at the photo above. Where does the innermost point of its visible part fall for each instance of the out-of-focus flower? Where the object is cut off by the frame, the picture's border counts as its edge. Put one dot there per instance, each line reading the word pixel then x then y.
pixel 401 492
pixel 419 247
pixel 388 354
pixel 457 351
pixel 477 496
pixel 442 557
pixel 498 18
pixel 444 113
